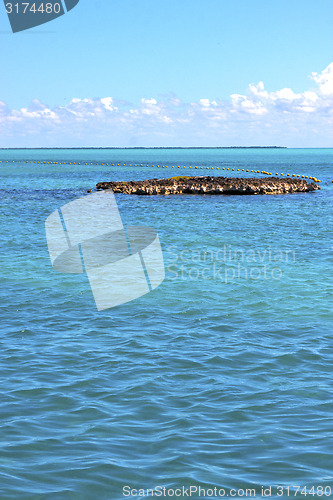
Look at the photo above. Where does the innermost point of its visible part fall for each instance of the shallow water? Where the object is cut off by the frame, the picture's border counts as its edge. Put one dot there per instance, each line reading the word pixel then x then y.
pixel 221 377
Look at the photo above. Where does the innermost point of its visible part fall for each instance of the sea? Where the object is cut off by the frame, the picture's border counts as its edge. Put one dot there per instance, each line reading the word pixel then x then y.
pixel 217 383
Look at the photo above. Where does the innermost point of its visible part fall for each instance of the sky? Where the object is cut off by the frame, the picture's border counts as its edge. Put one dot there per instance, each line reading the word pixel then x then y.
pixel 170 73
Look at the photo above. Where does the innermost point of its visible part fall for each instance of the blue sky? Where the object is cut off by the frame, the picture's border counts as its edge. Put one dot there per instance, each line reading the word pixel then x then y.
pixel 162 61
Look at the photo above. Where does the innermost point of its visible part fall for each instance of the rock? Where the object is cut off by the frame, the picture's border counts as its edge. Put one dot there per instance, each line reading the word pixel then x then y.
pixel 211 185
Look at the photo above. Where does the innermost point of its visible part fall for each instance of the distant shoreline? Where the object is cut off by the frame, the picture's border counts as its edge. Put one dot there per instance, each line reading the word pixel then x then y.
pixel 161 147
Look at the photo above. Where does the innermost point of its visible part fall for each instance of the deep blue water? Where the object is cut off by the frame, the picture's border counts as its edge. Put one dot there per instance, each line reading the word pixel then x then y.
pixel 221 377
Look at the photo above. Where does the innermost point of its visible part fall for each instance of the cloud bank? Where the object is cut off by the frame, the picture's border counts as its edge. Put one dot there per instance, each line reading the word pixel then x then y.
pixel 258 117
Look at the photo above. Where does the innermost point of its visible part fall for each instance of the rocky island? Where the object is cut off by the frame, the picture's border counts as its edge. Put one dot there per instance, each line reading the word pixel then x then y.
pixel 211 185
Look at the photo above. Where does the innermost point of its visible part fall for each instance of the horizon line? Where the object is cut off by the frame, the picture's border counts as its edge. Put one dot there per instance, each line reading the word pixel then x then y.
pixel 149 147
pixel 156 147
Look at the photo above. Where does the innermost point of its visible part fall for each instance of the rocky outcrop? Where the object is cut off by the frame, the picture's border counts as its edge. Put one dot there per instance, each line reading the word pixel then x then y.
pixel 211 185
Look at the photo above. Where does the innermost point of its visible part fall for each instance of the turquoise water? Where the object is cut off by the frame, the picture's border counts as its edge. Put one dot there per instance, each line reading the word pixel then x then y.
pixel 221 377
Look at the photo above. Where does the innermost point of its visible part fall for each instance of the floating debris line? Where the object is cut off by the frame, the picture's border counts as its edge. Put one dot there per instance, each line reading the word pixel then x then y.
pixel 230 169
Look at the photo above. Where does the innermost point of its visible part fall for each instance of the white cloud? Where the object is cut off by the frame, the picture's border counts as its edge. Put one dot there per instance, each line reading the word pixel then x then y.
pixel 148 101
pixel 205 103
pixel 285 95
pixel 258 116
pixel 108 103
pixel 253 103
pixel 324 80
